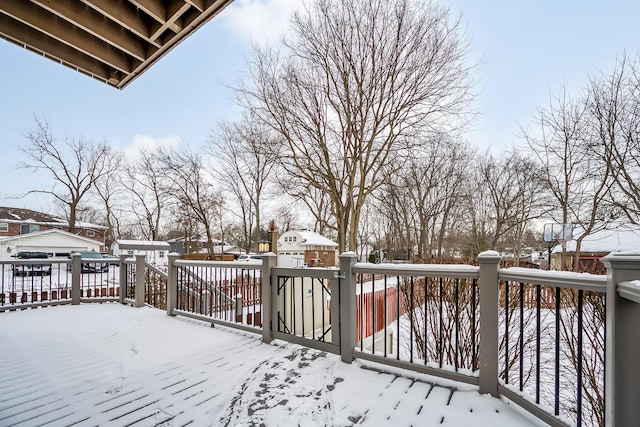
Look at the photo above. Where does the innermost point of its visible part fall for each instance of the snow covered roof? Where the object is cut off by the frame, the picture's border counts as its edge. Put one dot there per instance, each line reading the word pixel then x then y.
pixel 310 238
pixel 142 245
pixel 621 239
pixel 23 216
pixel 47 232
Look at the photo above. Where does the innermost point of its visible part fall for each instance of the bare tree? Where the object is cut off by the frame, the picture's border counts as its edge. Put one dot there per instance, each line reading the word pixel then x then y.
pixel 148 189
pixel 577 178
pixel 315 200
pixel 74 165
pixel 109 190
pixel 615 113
pixel 434 181
pixel 515 197
pixel 354 82
pixel 245 156
pixel 192 191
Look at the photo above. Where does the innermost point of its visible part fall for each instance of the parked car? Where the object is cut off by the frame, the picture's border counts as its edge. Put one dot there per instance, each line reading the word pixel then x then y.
pixel 100 266
pixel 250 258
pixel 32 269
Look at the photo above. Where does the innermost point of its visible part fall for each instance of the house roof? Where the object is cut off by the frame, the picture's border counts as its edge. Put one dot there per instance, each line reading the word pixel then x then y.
pixel 311 238
pixel 625 238
pixel 112 41
pixel 142 245
pixel 8 214
pixel 47 232
pixel 23 216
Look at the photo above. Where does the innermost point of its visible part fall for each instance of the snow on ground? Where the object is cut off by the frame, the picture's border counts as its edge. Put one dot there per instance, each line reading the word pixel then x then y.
pixel 109 364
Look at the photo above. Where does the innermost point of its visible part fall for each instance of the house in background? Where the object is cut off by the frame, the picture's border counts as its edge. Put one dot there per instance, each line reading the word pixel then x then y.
pixel 56 243
pixel 597 245
pixel 155 252
pixel 17 222
pixel 24 229
pixel 299 248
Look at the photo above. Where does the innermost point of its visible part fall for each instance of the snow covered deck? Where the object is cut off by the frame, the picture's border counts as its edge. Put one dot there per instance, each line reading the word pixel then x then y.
pixel 109 364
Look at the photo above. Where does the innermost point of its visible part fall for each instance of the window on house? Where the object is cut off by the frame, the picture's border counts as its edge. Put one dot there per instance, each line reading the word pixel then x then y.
pixel 91 233
pixel 129 253
pixel 161 254
pixel 29 228
pixel 4 227
pixel 294 238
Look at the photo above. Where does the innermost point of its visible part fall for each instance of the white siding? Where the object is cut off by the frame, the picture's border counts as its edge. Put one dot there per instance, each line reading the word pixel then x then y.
pixel 50 243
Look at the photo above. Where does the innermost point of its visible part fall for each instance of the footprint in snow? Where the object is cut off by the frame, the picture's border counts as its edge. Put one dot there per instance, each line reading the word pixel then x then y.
pixel 291 390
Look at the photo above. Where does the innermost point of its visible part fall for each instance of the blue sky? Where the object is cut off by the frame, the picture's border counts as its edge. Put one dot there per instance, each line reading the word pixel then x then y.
pixel 525 49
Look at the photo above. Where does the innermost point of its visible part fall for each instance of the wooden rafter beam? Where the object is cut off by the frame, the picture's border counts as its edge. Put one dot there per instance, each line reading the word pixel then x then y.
pixel 198 4
pixel 156 10
pixel 125 15
pixel 40 20
pixel 94 23
pixel 25 36
pixel 112 40
pixel 174 13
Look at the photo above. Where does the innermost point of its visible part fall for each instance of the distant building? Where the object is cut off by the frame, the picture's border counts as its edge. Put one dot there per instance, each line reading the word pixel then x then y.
pixel 596 246
pixel 27 230
pixel 300 248
pixel 17 222
pixel 56 243
pixel 155 252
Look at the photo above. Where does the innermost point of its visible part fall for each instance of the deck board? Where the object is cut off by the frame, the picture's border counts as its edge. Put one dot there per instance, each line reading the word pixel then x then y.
pixel 99 374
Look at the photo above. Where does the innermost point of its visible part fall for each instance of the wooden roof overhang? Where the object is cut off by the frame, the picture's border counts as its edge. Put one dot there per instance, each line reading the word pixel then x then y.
pixel 111 40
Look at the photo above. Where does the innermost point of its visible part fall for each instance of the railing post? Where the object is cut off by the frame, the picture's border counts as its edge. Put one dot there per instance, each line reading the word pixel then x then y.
pixel 76 271
pixel 269 261
pixel 123 277
pixel 347 320
pixel 489 310
pixel 172 284
pixel 139 300
pixel 622 343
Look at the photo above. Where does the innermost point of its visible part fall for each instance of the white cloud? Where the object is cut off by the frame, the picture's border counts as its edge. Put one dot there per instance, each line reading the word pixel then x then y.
pixel 259 21
pixel 149 143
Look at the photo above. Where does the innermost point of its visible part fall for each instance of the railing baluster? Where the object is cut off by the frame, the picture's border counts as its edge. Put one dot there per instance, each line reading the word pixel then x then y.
pixel 556 405
pixel 441 328
pixel 398 318
pixel 411 318
pixel 425 326
pixel 580 354
pixel 538 288
pixel 521 339
pixel 506 331
pixel 362 314
pixel 474 328
pixel 457 324
pixel 386 320
pixel 373 315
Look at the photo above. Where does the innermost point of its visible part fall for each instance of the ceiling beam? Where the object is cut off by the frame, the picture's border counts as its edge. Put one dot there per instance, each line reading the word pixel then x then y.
pixel 37 18
pixel 212 9
pixel 156 10
pixel 174 12
pixel 123 14
pixel 25 36
pixel 95 24
pixel 198 4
